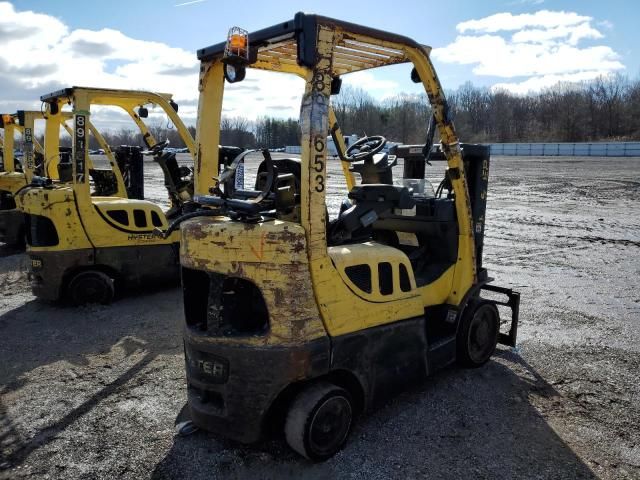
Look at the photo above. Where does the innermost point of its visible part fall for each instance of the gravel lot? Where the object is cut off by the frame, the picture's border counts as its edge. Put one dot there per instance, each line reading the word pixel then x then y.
pixel 93 392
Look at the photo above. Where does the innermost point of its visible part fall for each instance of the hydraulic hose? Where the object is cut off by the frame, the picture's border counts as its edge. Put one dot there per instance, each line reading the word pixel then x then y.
pixel 187 216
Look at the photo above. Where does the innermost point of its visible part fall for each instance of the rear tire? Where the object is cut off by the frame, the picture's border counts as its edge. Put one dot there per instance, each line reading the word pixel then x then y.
pixel 319 421
pixel 478 334
pixel 91 286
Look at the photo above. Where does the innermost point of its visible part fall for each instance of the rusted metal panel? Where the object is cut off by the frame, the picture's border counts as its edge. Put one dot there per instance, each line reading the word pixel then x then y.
pixel 271 255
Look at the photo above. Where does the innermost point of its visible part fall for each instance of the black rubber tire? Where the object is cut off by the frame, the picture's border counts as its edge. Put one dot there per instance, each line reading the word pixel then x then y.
pixel 319 421
pixel 21 242
pixel 90 286
pixel 478 334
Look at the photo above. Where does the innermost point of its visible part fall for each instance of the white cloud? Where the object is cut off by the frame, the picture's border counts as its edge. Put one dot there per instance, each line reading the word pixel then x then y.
pixel 509 22
pixel 572 34
pixel 379 88
pixel 39 54
pixel 535 84
pixel 264 93
pixel 544 46
pixel 605 24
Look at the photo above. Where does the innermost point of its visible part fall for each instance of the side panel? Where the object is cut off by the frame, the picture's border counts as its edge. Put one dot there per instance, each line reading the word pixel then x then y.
pixel 139 266
pixel 48 270
pixel 136 266
pixel 385 359
pixel 58 205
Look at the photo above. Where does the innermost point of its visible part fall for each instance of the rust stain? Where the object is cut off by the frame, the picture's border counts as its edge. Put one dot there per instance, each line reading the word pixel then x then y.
pixel 259 253
pixel 279 298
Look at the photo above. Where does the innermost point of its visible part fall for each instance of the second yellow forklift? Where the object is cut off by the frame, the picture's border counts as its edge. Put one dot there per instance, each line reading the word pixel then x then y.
pixel 86 237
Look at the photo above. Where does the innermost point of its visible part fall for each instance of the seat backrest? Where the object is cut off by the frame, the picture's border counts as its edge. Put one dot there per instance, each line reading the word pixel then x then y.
pixel 394 195
pixel 371 202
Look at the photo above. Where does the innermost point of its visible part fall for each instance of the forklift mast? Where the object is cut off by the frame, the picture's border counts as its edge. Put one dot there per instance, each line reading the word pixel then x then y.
pixel 131 165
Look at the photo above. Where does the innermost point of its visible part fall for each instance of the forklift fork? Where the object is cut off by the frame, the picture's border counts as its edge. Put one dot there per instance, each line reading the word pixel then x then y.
pixel 508 339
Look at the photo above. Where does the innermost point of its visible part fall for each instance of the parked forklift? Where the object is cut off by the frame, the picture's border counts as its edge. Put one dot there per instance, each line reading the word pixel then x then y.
pixel 34 163
pixel 13 175
pixel 89 230
pixel 299 325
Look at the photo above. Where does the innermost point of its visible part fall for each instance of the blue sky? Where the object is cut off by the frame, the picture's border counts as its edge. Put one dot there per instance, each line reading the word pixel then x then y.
pixel 518 44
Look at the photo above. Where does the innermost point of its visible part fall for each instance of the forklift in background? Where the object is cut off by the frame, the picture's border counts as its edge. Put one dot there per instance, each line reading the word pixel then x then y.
pixel 300 325
pixel 13 174
pixel 90 232
pixel 34 163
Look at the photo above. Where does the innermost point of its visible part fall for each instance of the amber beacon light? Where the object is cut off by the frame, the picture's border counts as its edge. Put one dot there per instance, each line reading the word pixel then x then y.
pixel 236 55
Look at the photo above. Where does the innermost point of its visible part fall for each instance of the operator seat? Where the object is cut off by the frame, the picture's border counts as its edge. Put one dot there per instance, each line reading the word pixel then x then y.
pixel 371 202
pixel 286 182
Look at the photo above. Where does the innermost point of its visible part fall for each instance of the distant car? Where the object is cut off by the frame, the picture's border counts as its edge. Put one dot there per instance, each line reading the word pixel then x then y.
pixel 18 153
pixel 182 150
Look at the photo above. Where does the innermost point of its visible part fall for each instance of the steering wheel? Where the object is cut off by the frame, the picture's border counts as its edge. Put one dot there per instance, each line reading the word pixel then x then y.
pixel 365 147
pixel 158 147
pixel 227 177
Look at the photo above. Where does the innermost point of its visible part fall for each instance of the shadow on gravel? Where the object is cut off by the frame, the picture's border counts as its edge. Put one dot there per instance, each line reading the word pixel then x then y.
pixel 460 424
pixel 20 449
pixel 39 334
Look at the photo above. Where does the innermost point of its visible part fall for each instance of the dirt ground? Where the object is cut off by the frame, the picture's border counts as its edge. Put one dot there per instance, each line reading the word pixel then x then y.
pixel 93 392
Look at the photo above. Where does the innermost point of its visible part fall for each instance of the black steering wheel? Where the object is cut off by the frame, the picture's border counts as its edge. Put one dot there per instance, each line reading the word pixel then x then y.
pixel 365 147
pixel 158 147
pixel 227 178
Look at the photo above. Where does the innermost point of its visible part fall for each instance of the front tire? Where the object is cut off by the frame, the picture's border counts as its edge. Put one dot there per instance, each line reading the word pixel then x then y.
pixel 478 334
pixel 90 286
pixel 319 421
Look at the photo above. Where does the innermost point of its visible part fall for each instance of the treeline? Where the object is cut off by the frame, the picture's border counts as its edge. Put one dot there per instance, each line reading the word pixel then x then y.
pixel 607 108
pixel 126 136
pixel 602 109
pixel 264 132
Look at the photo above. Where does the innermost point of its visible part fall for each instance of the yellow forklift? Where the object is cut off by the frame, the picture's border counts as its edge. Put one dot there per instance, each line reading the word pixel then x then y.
pixel 17 174
pixel 12 179
pixel 89 230
pixel 14 173
pixel 298 323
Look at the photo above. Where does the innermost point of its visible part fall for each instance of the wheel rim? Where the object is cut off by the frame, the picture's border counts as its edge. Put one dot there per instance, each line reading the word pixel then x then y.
pixel 482 334
pixel 91 289
pixel 330 425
